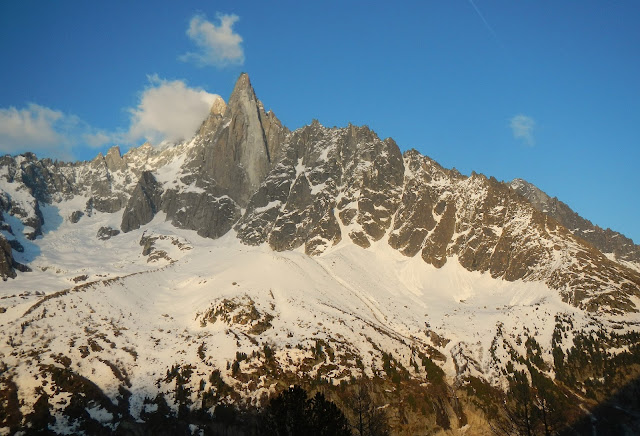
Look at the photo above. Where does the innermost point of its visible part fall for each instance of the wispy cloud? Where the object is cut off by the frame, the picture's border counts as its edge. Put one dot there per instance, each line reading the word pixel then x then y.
pixel 522 127
pixel 484 20
pixel 218 44
pixel 168 111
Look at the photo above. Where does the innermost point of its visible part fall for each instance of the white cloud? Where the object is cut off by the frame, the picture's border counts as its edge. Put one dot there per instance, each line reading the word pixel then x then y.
pixel 168 111
pixel 522 127
pixel 37 128
pixel 218 45
pixel 33 125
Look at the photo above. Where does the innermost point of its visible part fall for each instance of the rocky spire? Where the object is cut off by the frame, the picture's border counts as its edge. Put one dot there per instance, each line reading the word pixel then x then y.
pixel 241 154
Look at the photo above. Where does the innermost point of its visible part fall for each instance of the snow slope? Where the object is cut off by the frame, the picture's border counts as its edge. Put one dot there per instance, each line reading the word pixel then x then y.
pixel 142 317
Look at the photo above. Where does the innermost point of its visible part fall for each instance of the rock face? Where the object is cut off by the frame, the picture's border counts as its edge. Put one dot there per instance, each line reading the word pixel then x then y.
pixel 607 241
pixel 105 233
pixel 326 180
pixel 143 203
pixel 209 215
pixel 239 154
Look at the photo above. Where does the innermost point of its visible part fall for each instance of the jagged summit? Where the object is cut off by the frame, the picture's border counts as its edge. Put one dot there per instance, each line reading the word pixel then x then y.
pixel 318 186
pixel 243 84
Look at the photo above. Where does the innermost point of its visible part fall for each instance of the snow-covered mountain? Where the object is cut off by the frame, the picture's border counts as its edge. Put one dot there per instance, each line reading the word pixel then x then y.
pixel 218 270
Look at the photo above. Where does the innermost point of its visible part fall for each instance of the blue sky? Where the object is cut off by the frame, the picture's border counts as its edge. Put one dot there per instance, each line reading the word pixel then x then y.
pixel 543 90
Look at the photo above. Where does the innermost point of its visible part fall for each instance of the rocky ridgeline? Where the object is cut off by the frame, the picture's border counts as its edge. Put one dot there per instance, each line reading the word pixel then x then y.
pixel 316 186
pixel 605 240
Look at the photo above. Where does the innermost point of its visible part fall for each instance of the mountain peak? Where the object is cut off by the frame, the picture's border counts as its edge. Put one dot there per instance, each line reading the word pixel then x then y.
pixel 218 107
pixel 243 85
pixel 243 79
pixel 240 155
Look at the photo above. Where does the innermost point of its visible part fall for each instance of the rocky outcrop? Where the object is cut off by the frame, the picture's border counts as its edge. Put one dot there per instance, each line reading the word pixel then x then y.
pixel 7 269
pixel 105 233
pixel 144 203
pixel 209 215
pixel 75 216
pixel 605 240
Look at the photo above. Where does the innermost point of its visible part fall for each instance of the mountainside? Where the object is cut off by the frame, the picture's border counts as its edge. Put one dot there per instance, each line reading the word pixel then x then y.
pixel 167 281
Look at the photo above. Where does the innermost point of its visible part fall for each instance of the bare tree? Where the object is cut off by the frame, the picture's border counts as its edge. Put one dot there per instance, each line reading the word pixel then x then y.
pixel 369 419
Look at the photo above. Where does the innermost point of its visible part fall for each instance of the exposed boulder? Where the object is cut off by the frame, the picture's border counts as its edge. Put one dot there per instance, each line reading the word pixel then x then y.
pixel 105 233
pixel 75 216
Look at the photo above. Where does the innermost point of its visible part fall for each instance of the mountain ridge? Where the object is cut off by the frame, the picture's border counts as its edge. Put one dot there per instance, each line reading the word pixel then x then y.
pixel 315 186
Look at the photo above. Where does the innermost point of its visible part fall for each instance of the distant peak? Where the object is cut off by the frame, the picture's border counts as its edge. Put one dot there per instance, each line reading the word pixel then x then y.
pixel 114 151
pixel 519 181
